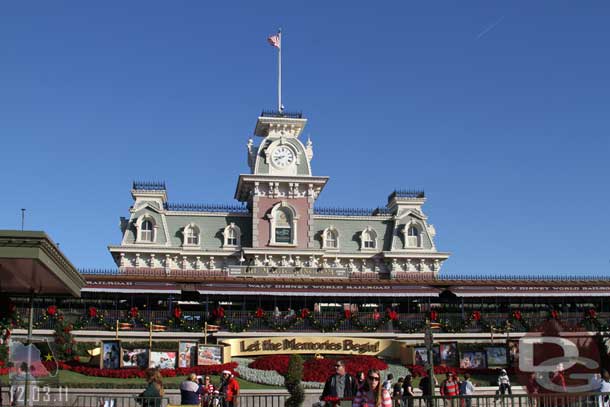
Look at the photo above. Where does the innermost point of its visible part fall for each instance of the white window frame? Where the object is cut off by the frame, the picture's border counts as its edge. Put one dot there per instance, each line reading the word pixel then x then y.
pixel 373 235
pixel 188 229
pixel 140 230
pixel 232 228
pixel 293 220
pixel 326 241
pixel 413 241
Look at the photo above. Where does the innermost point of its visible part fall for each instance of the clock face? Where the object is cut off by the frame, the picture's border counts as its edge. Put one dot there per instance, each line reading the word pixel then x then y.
pixel 282 157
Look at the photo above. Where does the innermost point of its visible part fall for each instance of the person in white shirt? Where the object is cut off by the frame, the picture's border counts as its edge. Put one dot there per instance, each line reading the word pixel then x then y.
pixel 467 390
pixel 604 400
pixel 387 384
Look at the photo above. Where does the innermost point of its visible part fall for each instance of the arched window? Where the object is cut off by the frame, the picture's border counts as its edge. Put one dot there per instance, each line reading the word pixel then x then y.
pixel 232 234
pixel 330 238
pixel 146 231
pixel 283 224
pixel 413 236
pixel 191 235
pixel 369 239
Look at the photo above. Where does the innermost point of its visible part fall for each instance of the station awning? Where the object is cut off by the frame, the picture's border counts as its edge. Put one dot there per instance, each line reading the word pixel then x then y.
pixel 532 291
pixel 31 263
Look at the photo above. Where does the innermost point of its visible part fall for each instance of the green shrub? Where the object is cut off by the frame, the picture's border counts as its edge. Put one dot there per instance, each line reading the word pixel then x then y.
pixel 293 384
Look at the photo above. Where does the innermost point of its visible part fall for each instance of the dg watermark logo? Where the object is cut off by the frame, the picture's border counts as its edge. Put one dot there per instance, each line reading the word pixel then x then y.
pixel 559 358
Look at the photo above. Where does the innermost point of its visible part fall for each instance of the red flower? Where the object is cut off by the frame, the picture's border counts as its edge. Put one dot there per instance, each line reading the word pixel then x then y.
pixel 92 312
pixel 554 314
pixel 177 313
pixel 433 315
pixel 517 315
pixel 592 313
pixel 259 313
pixel 133 312
pixel 304 313
pixel 476 315
pixel 52 310
pixel 348 314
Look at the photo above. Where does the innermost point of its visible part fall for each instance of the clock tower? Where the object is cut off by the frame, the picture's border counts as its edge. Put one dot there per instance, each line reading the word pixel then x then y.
pixel 280 190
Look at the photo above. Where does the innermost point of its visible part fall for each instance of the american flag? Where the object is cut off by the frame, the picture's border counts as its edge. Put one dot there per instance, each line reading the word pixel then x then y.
pixel 274 40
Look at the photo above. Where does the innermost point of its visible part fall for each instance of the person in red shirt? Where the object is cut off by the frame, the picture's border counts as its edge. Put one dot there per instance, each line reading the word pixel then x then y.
pixel 450 388
pixel 229 388
pixel 206 389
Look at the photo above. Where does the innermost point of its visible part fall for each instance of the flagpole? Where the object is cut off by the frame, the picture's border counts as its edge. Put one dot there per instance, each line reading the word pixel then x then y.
pixel 279 83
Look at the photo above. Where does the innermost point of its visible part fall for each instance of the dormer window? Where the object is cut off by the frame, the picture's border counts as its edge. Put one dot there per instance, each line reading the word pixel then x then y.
pixel 413 235
pixel 146 229
pixel 369 239
pixel 283 223
pixel 232 235
pixel 191 235
pixel 330 238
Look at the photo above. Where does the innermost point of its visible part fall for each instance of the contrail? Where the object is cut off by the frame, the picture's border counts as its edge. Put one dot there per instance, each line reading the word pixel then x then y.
pixel 490 27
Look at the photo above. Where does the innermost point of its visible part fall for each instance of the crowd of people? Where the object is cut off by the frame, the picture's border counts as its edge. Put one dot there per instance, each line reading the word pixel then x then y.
pixel 194 391
pixel 365 389
pixel 370 390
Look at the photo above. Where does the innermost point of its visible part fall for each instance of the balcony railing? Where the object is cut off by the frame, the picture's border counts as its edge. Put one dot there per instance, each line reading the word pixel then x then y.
pixel 305 321
pixel 288 271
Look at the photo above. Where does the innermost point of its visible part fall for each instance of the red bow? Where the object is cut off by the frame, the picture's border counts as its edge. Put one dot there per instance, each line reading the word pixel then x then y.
pixel 393 315
pixel 347 313
pixel 476 315
pixel 304 313
pixel 177 313
pixel 218 313
pixel 433 315
pixel 92 312
pixel 517 315
pixel 259 313
pixel 52 310
pixel 554 314
pixel 133 312
pixel 592 313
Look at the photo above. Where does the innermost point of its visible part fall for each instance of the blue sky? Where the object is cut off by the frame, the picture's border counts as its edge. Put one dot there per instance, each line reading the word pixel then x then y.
pixel 499 110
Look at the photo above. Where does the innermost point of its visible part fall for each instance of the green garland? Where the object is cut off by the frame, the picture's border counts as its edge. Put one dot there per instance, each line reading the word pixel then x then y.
pixel 515 322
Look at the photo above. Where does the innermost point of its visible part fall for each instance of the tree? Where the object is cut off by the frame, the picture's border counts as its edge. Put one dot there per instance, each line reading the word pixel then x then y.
pixel 292 380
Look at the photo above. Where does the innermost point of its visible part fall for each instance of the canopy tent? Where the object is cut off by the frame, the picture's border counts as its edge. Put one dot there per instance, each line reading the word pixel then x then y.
pixel 31 264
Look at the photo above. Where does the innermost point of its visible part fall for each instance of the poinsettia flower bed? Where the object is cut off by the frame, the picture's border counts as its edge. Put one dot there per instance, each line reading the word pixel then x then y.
pixel 318 370
pixel 128 373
